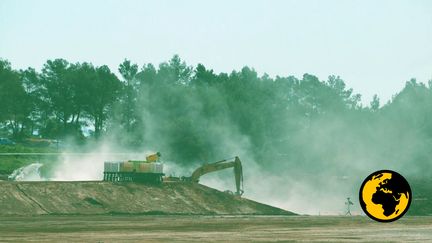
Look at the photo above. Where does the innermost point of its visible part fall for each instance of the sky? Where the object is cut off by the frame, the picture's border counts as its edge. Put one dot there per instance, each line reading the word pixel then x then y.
pixel 375 46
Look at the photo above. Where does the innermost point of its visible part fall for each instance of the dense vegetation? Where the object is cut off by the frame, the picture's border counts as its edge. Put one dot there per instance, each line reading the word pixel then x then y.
pixel 194 114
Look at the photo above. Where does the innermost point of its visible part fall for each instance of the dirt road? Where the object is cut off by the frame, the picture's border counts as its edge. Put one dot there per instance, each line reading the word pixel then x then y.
pixel 212 228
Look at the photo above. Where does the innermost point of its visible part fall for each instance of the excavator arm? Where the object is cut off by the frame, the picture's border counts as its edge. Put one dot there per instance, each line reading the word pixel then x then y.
pixel 220 165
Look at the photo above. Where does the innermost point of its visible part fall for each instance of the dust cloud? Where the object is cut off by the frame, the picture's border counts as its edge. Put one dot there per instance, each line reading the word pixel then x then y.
pixel 305 162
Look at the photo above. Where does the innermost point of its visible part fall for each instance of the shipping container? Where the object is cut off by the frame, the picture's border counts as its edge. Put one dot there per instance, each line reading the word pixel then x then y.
pixel 133 170
pixel 145 167
pixel 158 168
pixel 112 166
pixel 127 167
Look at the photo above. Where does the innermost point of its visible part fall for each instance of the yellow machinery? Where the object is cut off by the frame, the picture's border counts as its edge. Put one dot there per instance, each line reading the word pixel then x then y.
pixel 153 157
pixel 149 170
pixel 220 165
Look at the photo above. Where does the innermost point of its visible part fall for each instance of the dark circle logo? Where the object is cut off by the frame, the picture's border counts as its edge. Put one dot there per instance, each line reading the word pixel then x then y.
pixel 385 196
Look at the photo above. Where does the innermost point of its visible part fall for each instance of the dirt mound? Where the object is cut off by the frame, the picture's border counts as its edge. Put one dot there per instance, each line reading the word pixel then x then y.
pixel 37 198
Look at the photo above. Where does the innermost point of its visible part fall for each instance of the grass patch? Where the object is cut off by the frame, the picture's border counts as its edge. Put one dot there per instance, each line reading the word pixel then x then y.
pixel 9 163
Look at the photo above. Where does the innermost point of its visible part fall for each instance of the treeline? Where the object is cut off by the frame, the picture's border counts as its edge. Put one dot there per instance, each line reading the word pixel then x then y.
pixel 57 102
pixel 195 114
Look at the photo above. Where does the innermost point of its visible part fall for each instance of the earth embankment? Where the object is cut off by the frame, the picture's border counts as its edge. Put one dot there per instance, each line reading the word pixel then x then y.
pixel 80 198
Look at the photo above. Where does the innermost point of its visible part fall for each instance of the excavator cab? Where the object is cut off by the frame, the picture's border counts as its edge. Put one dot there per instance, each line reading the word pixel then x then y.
pixel 153 157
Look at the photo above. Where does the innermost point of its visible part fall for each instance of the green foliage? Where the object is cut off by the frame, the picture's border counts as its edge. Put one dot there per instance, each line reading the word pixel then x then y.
pixel 195 114
pixel 9 163
pixel 14 102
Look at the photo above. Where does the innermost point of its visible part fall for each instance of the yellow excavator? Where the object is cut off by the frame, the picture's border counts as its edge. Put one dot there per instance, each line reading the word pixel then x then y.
pixel 220 165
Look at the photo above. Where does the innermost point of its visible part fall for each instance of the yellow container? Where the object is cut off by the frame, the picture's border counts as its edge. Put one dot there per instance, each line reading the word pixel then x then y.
pixel 127 167
pixel 145 167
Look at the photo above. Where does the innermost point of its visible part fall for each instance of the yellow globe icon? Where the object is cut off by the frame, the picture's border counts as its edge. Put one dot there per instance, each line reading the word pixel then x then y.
pixel 385 196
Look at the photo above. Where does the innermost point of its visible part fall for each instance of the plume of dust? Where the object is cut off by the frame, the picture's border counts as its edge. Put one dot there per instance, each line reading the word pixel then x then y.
pixel 79 166
pixel 30 172
pixel 269 183
pixel 91 166
pixel 302 194
pixel 297 191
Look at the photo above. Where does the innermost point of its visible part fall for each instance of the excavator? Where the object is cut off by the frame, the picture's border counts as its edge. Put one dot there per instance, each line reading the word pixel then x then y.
pixel 220 165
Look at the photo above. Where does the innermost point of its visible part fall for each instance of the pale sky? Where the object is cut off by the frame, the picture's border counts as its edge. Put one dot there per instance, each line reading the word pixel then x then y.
pixel 375 46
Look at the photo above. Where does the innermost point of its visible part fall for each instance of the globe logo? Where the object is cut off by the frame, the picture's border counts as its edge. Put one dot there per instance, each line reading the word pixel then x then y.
pixel 385 196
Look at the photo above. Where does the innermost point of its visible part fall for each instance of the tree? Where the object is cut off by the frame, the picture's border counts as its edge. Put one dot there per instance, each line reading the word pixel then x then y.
pixel 14 101
pixel 203 76
pixel 175 72
pixel 375 103
pixel 31 81
pixel 128 72
pixel 64 91
pixel 104 91
pixel 57 90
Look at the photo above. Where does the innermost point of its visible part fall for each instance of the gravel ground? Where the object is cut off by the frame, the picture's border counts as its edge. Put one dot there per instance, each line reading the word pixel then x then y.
pixel 212 228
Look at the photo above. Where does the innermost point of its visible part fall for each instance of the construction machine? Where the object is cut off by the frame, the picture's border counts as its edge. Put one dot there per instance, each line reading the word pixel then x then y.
pixel 220 165
pixel 149 170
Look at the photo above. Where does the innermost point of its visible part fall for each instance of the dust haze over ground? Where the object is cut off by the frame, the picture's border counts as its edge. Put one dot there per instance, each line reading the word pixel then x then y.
pixel 296 189
pixel 307 157
pixel 306 142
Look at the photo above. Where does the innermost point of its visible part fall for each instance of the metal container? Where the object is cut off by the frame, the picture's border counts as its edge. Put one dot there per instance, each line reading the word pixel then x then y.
pixel 133 166
pixel 127 167
pixel 112 166
pixel 145 168
pixel 156 167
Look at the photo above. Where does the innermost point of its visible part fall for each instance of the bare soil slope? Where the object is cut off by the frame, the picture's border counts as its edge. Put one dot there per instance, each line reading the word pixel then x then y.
pixel 79 198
